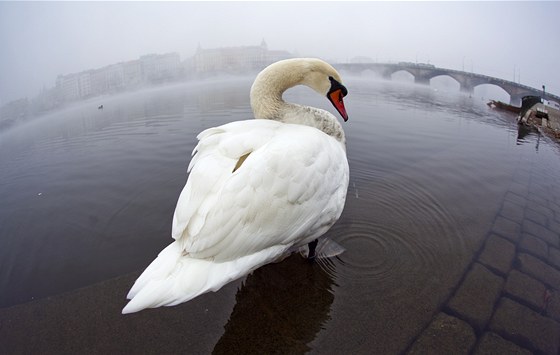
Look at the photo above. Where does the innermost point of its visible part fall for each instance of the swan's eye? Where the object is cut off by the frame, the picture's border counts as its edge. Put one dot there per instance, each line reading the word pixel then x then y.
pixel 335 85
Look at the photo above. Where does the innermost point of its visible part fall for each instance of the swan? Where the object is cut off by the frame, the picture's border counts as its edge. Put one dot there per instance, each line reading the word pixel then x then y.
pixel 257 190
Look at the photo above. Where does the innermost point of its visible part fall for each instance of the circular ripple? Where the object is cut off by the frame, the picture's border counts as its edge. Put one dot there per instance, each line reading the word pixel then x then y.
pixel 397 237
pixel 376 252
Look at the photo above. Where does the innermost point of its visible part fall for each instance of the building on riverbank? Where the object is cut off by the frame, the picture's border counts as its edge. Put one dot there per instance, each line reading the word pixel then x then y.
pixel 150 69
pixel 236 60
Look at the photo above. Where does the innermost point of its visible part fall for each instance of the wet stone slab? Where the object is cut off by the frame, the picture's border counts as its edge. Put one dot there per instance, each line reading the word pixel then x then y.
pixel 512 211
pixel 492 344
pixel 476 297
pixel 538 194
pixel 538 269
pixel 498 254
pixel 536 217
pixel 516 197
pixel 521 178
pixel 554 256
pixel 553 305
pixel 525 327
pixel 554 226
pixel 519 190
pixel 541 209
pixel 507 229
pixel 533 245
pixel 445 335
pixel 525 289
pixel 540 232
pixel 555 207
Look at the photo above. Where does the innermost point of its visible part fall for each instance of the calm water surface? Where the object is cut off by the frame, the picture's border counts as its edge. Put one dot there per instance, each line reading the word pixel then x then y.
pixel 88 195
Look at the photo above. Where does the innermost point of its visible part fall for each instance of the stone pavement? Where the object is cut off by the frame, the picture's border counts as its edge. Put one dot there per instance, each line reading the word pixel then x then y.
pixel 508 301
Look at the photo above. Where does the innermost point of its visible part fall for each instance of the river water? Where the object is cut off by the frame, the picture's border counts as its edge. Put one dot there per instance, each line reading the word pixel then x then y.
pixel 88 194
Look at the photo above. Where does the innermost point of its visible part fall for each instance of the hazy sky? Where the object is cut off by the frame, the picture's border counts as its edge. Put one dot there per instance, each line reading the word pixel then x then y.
pixel 39 40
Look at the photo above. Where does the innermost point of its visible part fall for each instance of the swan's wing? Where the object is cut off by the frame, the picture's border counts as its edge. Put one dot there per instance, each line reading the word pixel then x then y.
pixel 292 184
pixel 215 155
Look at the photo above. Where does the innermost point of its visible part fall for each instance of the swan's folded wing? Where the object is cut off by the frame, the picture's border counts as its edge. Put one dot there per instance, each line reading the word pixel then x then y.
pixel 292 184
pixel 213 160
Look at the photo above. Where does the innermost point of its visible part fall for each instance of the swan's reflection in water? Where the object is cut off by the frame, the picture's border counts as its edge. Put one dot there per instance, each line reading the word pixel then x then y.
pixel 280 308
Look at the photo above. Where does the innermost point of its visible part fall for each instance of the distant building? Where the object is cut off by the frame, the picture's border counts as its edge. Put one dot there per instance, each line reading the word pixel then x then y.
pixel 148 69
pixel 74 86
pixel 132 72
pixel 160 67
pixel 118 77
pixel 236 59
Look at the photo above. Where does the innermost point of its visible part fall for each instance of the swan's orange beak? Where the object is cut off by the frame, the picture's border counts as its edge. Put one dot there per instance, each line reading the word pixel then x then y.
pixel 335 95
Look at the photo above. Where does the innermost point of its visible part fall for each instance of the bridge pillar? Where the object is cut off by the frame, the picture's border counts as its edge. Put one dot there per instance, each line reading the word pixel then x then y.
pixel 466 83
pixel 419 79
pixel 386 74
pixel 466 88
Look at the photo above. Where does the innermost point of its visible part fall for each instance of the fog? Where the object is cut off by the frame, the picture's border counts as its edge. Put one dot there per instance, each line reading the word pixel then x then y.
pixel 510 40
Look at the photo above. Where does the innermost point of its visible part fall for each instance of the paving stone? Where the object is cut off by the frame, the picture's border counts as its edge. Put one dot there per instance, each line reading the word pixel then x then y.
pixel 525 327
pixel 522 178
pixel 538 193
pixel 519 188
pixel 554 256
pixel 534 246
pixel 526 289
pixel 516 198
pixel 536 268
pixel 492 344
pixel 536 217
pixel 554 226
pixel 512 211
pixel 541 208
pixel 540 232
pixel 525 169
pixel 507 229
pixel 445 335
pixel 497 255
pixel 553 306
pixel 475 299
pixel 555 207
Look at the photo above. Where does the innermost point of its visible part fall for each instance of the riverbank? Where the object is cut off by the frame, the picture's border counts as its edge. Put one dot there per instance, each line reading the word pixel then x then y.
pixel 544 118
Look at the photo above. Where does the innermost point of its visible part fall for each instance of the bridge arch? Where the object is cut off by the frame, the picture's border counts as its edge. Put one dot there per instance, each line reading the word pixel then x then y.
pixel 422 73
pixel 445 81
pixel 402 75
pixel 494 83
pixel 491 91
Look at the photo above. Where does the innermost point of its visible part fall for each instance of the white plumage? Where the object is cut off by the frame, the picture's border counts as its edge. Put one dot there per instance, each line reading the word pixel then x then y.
pixel 257 189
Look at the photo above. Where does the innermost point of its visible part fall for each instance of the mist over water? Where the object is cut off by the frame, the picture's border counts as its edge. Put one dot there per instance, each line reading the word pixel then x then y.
pixel 88 195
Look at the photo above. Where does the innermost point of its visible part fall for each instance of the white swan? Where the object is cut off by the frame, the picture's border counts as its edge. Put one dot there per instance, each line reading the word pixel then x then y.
pixel 257 189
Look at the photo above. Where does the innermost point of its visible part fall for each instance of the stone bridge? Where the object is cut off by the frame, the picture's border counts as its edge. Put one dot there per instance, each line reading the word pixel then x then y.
pixel 468 81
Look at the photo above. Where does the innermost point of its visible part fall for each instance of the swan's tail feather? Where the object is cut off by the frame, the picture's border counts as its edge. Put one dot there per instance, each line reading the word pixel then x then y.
pixel 163 265
pixel 173 278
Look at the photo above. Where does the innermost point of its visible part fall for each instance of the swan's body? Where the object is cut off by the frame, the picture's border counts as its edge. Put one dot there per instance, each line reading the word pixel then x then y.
pixel 257 189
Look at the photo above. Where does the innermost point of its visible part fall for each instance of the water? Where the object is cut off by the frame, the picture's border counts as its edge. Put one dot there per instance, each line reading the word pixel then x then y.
pixel 88 195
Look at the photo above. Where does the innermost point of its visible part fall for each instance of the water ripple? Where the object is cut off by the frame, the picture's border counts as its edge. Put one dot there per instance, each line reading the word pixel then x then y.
pixel 394 231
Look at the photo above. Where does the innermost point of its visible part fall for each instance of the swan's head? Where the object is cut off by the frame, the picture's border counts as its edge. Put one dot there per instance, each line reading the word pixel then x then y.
pixel 282 75
pixel 324 79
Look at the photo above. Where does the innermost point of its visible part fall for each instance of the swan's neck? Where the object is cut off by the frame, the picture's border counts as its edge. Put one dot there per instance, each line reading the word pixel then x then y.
pixel 267 103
